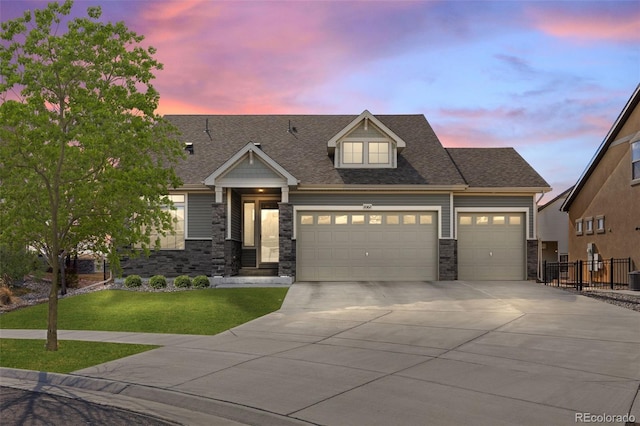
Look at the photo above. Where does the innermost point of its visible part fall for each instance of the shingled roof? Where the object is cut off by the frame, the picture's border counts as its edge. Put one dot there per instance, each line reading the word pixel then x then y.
pixel 298 143
pixel 495 167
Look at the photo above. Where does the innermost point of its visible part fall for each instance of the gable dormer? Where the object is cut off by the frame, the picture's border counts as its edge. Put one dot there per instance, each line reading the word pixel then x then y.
pixel 365 143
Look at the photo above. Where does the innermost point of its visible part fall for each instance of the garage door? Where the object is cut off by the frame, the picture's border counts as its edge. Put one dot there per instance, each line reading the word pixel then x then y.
pixel 491 246
pixel 356 246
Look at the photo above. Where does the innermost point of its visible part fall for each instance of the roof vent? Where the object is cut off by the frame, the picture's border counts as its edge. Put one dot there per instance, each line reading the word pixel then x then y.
pixel 188 146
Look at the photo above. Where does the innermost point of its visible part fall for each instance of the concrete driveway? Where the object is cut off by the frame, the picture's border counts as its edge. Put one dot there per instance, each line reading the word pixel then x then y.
pixel 437 353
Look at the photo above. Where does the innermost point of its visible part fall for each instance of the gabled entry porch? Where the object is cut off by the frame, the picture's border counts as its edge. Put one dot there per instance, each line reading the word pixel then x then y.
pixel 252 229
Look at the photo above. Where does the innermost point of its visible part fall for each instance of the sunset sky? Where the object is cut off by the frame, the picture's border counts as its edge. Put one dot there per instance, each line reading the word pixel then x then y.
pixel 545 77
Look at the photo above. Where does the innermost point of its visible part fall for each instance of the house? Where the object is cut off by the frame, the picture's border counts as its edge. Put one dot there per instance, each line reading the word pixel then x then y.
pixel 346 197
pixel 604 205
pixel 553 231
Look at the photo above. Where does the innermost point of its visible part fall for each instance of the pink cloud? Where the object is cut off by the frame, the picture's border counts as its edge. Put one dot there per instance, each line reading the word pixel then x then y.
pixel 258 57
pixel 617 23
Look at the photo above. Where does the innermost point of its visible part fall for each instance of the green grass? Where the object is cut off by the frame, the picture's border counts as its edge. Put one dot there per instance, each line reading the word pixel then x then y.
pixel 71 355
pixel 207 311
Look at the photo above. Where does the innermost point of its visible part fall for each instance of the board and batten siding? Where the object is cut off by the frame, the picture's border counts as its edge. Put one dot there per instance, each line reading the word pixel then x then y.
pixel 199 215
pixel 256 171
pixel 337 200
pixel 479 202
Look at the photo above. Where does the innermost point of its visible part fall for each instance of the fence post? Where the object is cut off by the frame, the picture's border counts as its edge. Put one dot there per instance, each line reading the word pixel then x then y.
pixel 544 271
pixel 579 283
pixel 611 274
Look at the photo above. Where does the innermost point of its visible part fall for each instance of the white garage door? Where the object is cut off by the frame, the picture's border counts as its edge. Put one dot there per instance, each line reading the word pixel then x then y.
pixel 491 246
pixel 376 246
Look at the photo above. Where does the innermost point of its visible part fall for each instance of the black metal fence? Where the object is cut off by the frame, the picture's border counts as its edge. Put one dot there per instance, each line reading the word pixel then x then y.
pixel 603 273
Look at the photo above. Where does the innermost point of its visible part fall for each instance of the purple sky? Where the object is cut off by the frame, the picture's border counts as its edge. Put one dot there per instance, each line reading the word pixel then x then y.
pixel 548 78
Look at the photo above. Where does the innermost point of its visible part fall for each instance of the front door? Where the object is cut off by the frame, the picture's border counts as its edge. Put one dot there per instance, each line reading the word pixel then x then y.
pixel 260 233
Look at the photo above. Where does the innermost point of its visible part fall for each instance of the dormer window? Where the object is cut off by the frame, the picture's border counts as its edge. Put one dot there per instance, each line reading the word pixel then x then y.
pixel 367 154
pixel 378 152
pixel 365 143
pixel 352 152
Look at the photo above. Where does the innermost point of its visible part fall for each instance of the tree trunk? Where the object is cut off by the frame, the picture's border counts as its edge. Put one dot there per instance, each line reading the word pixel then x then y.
pixel 52 325
pixel 63 278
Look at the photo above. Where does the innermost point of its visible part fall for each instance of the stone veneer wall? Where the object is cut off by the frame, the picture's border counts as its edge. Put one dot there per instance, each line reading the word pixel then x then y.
pixel 448 262
pixel 532 259
pixel 287 261
pixel 232 257
pixel 218 220
pixel 194 260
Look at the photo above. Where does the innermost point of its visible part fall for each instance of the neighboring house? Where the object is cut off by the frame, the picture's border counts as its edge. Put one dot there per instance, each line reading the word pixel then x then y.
pixel 604 206
pixel 553 231
pixel 346 197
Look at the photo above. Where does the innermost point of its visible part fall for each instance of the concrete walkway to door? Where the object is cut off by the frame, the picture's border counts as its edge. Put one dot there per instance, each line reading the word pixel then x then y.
pixel 410 353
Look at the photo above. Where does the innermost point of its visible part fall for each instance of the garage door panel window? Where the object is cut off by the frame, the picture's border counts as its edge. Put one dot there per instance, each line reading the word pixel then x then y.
pixel 324 220
pixel 306 219
pixel 375 219
pixel 426 219
pixel 393 219
pixel 482 220
pixel 499 220
pixel 409 219
pixel 465 220
pixel 342 219
pixel 515 220
pixel 357 219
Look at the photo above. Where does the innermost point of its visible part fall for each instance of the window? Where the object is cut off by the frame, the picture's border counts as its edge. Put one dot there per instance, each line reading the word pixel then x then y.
pixel 342 219
pixel 324 219
pixel 378 152
pixel 352 152
pixel 588 225
pixel 375 219
pixel 426 219
pixel 635 160
pixel 393 219
pixel 465 220
pixel 173 240
pixel 600 224
pixel 306 219
pixel 579 227
pixel 357 219
pixel 363 153
pixel 249 234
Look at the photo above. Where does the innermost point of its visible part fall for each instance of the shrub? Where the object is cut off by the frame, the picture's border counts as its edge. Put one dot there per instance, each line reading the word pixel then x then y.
pixel 158 281
pixel 133 281
pixel 201 281
pixel 183 281
pixel 6 296
pixel 16 262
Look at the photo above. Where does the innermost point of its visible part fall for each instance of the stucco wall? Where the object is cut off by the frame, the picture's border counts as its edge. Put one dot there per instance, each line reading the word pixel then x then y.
pixel 609 192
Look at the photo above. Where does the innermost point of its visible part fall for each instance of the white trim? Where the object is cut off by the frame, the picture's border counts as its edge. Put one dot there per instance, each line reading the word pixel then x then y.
pixel 228 219
pixel 524 210
pixel 250 149
pixel 365 115
pixel 452 216
pixel 373 208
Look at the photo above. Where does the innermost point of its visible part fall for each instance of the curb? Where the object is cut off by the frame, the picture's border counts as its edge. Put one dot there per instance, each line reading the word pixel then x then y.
pixel 161 403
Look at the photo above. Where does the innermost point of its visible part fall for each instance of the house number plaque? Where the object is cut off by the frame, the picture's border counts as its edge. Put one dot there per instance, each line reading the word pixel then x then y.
pixel 367 206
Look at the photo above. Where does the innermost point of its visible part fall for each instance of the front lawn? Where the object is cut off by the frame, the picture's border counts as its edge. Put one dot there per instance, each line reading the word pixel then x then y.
pixel 71 355
pixel 207 311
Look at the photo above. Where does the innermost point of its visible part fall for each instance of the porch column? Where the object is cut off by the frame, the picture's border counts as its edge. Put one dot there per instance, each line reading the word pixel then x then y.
pixel 287 258
pixel 219 220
